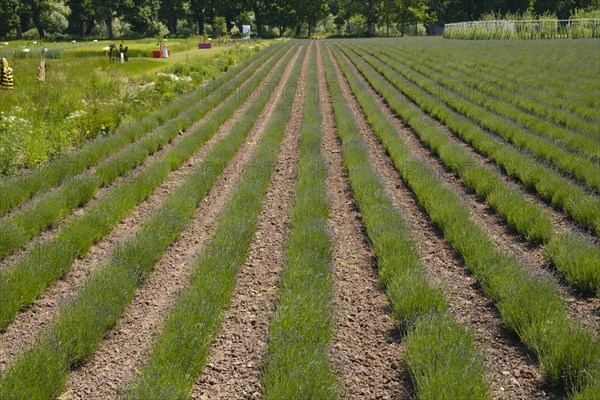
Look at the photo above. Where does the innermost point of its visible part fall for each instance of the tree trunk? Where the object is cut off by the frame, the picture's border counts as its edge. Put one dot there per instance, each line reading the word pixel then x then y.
pixel 109 27
pixel 19 31
pixel 259 27
pixel 35 16
pixel 199 14
pixel 371 19
pixel 309 29
pixel 228 22
pixel 89 26
pixel 172 26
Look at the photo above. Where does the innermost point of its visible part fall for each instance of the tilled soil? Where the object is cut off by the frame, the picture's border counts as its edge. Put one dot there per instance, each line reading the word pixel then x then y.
pixel 511 368
pixel 236 357
pixel 127 346
pixel 366 347
pixel 583 308
pixel 29 323
pixel 52 232
pixel 366 350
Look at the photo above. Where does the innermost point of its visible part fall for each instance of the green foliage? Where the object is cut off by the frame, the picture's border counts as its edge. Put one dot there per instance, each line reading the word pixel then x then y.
pixel 81 324
pixel 530 306
pixel 440 349
pixel 41 122
pixel 181 349
pixel 550 185
pixel 572 255
pixel 500 87
pixel 301 328
pixel 578 260
pixel 534 135
pixel 45 264
pixel 443 360
pixel 8 16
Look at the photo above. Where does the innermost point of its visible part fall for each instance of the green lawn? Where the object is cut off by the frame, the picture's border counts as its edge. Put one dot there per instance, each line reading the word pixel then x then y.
pixel 85 95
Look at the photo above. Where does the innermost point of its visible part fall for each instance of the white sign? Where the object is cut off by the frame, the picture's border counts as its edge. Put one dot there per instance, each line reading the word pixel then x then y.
pixel 246 30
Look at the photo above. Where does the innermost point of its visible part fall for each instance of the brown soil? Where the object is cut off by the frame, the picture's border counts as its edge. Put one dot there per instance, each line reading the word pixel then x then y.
pixel 50 233
pixel 29 323
pixel 562 223
pixel 366 348
pixel 127 346
pixel 583 308
pixel 519 148
pixel 238 353
pixel 510 367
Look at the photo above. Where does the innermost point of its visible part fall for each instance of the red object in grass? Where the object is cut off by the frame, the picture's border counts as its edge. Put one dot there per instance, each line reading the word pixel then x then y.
pixel 204 45
pixel 159 53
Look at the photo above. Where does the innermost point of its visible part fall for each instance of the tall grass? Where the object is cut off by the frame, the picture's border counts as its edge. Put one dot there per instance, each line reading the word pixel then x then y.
pixel 542 28
pixel 182 345
pixel 40 372
pixel 529 305
pixel 48 210
pixel 17 189
pixel 301 328
pixel 44 265
pixel 440 353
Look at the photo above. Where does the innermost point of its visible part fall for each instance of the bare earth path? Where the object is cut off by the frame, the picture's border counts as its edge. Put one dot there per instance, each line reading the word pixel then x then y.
pixel 366 348
pixel 238 353
pixel 29 323
pixel 120 356
pixel 583 308
pixel 511 369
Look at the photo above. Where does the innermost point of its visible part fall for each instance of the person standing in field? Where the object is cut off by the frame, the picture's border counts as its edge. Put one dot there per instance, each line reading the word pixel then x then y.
pixel 6 76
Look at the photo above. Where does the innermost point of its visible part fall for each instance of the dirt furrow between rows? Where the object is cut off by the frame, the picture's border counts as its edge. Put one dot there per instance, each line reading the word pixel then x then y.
pixel 518 147
pixel 561 222
pixel 233 368
pixel 29 323
pixel 366 346
pixel 121 355
pixel 50 233
pixel 584 308
pixel 511 369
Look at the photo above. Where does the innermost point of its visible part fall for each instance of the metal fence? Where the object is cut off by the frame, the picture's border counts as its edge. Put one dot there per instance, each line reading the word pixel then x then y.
pixel 528 29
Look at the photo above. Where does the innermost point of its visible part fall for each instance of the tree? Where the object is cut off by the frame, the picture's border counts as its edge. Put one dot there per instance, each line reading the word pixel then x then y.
pixel 563 8
pixel 389 9
pixel 311 12
pixel 369 9
pixel 230 9
pixel 46 15
pixel 105 11
pixel 82 17
pixel 259 8
pixel 281 14
pixel 170 12
pixel 9 17
pixel 143 16
pixel 339 23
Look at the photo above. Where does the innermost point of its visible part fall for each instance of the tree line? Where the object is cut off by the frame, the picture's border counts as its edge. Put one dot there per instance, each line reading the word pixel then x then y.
pixel 80 18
